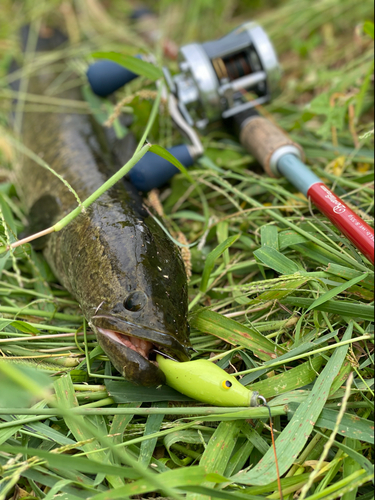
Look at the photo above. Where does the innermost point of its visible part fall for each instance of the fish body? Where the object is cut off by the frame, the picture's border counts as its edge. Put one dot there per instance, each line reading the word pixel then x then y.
pixel 126 274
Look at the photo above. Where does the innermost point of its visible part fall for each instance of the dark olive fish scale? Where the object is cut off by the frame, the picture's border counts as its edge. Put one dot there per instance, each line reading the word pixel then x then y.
pixel 113 249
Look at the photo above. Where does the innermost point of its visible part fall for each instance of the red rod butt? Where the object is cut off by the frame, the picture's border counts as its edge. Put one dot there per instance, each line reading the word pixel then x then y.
pixel 352 226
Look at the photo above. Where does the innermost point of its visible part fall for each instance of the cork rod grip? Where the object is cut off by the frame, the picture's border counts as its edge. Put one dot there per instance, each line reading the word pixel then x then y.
pixel 262 139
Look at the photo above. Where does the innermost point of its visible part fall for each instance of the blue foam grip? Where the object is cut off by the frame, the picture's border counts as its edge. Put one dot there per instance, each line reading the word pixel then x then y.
pixel 152 171
pixel 107 76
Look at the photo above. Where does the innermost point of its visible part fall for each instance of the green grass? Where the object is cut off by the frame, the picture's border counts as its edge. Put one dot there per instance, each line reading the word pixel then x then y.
pixel 269 275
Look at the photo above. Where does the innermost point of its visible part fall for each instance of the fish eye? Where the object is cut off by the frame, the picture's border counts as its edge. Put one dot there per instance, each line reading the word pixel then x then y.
pixel 226 384
pixel 135 301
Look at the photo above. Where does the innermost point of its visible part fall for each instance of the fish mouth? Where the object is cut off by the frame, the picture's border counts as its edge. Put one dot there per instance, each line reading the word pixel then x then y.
pixel 132 348
pixel 141 346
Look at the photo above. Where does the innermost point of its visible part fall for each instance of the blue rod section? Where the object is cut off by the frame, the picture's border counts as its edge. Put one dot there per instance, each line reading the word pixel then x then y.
pixel 297 173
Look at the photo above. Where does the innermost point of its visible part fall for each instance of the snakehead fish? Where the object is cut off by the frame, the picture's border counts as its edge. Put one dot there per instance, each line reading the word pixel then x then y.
pixel 126 274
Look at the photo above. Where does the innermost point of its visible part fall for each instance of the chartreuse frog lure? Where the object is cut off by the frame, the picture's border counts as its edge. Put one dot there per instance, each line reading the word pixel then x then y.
pixel 206 382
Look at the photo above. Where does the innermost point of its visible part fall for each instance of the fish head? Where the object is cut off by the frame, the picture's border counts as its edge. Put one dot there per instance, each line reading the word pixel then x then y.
pixel 145 305
pixel 131 337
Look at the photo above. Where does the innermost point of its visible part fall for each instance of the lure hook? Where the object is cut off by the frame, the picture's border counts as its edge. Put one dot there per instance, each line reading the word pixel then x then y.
pixel 263 399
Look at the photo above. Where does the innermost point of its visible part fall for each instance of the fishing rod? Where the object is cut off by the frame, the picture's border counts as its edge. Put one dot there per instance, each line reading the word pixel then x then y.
pixel 213 86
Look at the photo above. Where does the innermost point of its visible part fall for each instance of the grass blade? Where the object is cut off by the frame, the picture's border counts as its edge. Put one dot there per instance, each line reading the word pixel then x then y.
pixel 69 462
pixel 355 455
pixel 188 436
pixel 348 274
pixel 66 398
pixel 294 437
pixel 212 258
pixel 270 237
pixel 219 450
pixel 336 291
pixel 236 334
pixel 294 378
pixel 147 447
pixel 214 494
pixel 351 426
pixel 126 392
pixel 343 308
pixel 276 260
pixel 347 484
pixel 134 64
pixel 176 478
pixel 280 290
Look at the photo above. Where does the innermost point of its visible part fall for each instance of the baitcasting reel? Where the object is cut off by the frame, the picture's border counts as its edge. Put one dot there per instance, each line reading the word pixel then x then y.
pixel 215 76
pixel 217 80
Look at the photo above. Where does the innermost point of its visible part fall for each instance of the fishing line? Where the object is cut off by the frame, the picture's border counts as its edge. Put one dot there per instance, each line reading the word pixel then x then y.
pixel 264 401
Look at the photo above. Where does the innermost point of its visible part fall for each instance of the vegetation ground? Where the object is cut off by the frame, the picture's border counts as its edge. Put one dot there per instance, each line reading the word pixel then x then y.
pixel 288 279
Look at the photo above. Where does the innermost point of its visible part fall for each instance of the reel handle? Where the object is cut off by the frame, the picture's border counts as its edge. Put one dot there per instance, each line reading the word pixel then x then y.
pixel 105 77
pixel 152 171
